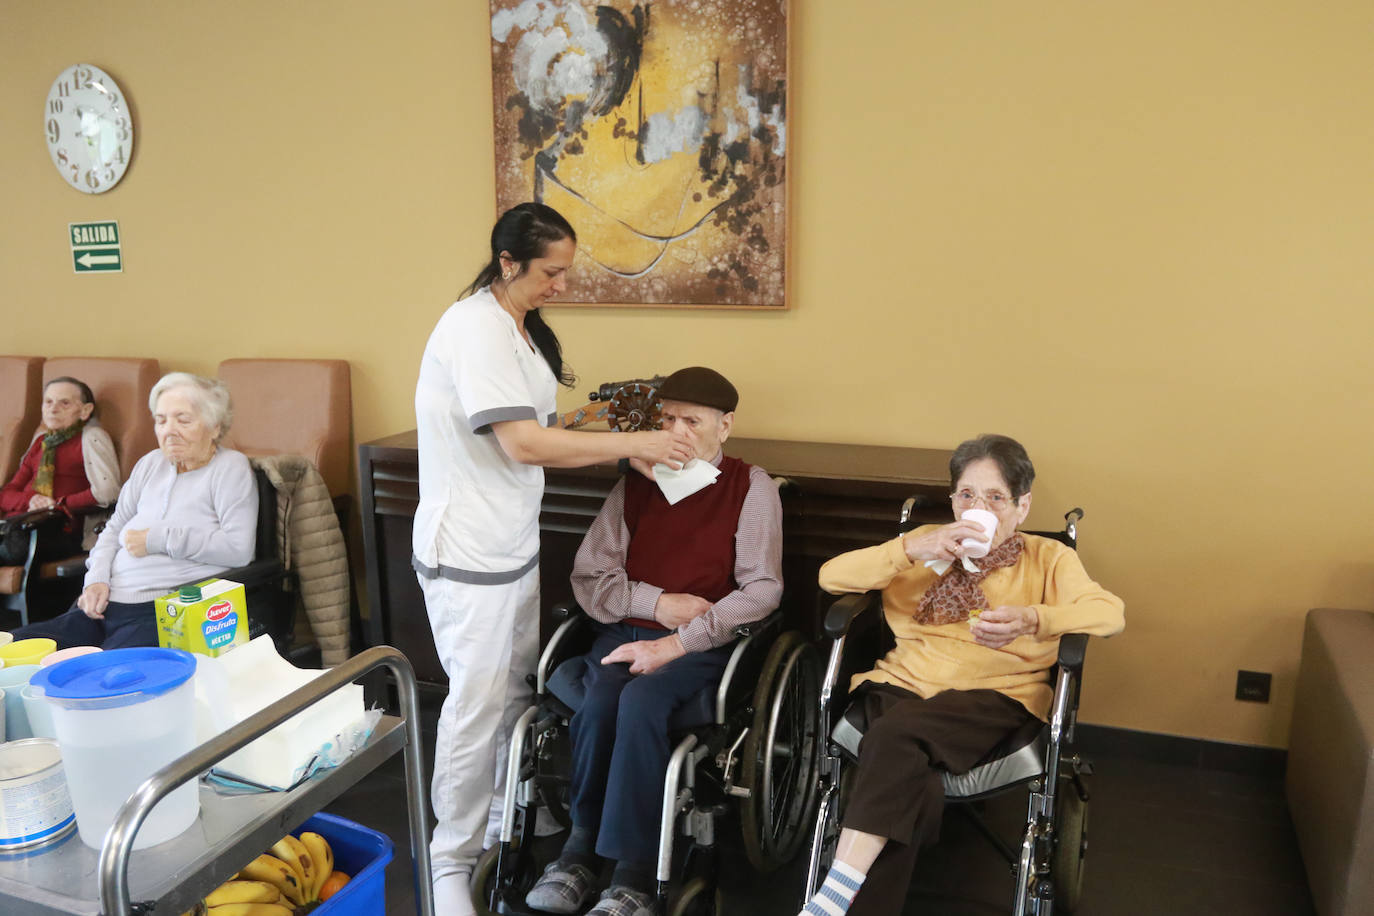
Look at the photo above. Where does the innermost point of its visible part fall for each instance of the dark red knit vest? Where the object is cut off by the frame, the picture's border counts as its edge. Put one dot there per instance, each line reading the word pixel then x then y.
pixel 689 547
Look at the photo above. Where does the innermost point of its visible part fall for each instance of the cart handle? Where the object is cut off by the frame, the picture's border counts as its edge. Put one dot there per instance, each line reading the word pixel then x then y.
pixel 119 840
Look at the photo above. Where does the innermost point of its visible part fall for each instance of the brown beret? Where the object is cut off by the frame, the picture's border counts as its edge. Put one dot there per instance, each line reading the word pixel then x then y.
pixel 699 385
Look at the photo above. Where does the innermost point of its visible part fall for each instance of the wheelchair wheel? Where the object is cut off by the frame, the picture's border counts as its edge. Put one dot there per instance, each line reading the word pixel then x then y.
pixel 483 879
pixel 698 897
pixel 1067 866
pixel 552 784
pixel 781 755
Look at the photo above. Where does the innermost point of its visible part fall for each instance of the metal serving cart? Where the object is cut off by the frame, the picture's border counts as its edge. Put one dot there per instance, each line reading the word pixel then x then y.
pixel 71 878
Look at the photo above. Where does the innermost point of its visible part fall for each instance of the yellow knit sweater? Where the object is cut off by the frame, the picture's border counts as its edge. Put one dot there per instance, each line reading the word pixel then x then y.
pixel 929 659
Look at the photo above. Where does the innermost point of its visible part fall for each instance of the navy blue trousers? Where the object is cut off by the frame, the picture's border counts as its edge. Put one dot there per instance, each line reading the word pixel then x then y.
pixel 124 626
pixel 620 740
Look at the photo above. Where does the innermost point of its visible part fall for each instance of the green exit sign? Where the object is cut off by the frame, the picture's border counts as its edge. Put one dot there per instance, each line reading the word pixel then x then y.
pixel 96 247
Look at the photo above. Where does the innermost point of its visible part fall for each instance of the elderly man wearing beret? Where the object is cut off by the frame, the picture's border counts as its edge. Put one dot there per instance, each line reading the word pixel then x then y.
pixel 667 579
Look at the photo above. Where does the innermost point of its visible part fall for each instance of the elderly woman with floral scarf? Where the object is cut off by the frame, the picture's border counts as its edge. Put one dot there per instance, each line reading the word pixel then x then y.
pixel 71 466
pixel 975 640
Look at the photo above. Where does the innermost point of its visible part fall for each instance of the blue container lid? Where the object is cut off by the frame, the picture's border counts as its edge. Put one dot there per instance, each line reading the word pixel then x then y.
pixel 117 677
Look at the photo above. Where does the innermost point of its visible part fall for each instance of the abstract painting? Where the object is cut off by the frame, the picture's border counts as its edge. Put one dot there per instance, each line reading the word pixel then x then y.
pixel 659 129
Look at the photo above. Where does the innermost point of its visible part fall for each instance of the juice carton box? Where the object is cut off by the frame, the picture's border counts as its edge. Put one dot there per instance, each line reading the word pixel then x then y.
pixel 208 618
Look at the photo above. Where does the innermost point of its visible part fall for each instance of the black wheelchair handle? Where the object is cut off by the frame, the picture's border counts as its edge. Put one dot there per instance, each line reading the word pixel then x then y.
pixel 1073 648
pixel 842 613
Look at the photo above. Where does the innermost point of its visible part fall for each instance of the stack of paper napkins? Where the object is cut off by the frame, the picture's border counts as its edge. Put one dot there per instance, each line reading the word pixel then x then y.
pixel 238 684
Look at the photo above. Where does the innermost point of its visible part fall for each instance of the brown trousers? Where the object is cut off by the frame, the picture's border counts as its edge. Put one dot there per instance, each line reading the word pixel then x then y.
pixel 897 791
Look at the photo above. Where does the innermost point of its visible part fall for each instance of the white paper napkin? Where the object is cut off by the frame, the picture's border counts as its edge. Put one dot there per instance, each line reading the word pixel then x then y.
pixel 678 485
pixel 942 566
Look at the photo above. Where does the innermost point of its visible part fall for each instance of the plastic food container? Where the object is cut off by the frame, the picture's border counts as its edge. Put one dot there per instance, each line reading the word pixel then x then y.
pixel 361 853
pixel 35 807
pixel 27 651
pixel 64 654
pixel 121 716
pixel 38 711
pixel 13 680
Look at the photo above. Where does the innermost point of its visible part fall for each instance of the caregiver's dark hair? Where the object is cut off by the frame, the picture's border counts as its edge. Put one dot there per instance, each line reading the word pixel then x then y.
pixel 1009 454
pixel 525 232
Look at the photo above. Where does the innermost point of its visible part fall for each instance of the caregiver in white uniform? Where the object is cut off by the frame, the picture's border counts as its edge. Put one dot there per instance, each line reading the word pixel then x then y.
pixel 485 412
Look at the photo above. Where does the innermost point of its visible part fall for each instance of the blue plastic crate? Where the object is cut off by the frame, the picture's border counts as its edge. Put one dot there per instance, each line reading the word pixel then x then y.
pixel 361 853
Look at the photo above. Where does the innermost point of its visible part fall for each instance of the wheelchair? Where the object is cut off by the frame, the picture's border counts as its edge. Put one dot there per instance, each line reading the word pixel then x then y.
pixel 35 589
pixel 1048 867
pixel 752 739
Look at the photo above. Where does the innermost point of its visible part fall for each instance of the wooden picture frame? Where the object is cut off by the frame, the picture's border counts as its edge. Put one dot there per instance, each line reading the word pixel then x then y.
pixel 659 129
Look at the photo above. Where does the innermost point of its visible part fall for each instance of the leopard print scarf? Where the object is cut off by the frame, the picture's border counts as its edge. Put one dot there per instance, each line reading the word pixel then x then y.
pixel 958 592
pixel 45 476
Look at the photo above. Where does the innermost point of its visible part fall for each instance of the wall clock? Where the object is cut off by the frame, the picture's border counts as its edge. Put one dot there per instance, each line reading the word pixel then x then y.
pixel 89 128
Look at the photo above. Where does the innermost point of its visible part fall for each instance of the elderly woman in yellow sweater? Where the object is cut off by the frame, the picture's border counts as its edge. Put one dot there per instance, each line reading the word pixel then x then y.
pixel 975 642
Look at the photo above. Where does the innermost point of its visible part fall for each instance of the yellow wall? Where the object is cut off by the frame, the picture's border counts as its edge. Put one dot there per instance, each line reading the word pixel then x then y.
pixel 1135 236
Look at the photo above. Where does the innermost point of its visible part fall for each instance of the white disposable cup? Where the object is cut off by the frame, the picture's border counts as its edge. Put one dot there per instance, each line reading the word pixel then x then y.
pixel 973 547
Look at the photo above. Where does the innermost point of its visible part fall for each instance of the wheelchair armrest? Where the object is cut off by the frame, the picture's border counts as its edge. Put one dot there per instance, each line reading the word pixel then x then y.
pixel 760 627
pixel 72 568
pixel 842 613
pixel 562 610
pixel 259 572
pixel 1073 647
pixel 742 671
pixel 573 637
pixel 27 521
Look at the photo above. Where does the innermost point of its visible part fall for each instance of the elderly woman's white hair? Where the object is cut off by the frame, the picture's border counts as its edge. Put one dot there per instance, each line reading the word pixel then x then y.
pixel 210 395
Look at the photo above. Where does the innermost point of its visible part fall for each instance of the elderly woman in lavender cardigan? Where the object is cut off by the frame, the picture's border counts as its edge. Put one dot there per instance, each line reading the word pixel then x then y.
pixel 189 510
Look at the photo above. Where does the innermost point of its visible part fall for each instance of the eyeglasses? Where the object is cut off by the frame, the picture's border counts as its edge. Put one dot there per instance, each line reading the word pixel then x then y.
pixel 995 500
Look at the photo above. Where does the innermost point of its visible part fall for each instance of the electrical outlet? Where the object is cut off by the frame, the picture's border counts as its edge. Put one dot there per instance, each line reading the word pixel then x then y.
pixel 1253 686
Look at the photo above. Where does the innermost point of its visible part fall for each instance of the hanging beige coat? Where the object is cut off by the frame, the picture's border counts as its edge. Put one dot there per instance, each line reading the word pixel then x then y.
pixel 310 543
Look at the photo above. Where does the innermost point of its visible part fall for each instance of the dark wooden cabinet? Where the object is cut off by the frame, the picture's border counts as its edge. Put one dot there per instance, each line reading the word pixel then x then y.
pixel 837 498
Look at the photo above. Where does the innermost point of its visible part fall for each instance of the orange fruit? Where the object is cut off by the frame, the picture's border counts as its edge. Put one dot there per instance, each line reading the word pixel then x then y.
pixel 332 884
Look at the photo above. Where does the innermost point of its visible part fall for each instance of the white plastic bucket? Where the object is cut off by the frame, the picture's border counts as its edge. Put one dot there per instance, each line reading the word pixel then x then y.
pixel 35 807
pixel 121 716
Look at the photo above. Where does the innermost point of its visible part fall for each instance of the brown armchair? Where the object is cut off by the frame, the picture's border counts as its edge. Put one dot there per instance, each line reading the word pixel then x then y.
pixel 294 407
pixel 21 380
pixel 45 584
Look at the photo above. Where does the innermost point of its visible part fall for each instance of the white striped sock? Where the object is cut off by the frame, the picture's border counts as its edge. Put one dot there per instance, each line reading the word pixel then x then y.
pixel 836 893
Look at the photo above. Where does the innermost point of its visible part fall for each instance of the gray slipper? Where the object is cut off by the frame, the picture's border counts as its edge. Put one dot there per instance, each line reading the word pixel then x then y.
pixel 564 888
pixel 619 900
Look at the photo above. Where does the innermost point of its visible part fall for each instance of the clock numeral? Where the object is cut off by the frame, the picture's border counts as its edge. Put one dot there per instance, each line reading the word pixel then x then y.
pixel 54 106
pixel 113 99
pixel 109 175
pixel 82 77
pixel 119 154
pixel 54 132
pixel 123 134
pixel 63 90
pixel 92 179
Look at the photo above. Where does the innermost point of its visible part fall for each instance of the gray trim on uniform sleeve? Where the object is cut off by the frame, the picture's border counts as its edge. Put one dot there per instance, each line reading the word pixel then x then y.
pixel 471 576
pixel 553 419
pixel 481 421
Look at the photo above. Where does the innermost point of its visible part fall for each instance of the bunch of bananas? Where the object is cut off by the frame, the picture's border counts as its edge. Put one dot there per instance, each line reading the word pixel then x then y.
pixel 288 876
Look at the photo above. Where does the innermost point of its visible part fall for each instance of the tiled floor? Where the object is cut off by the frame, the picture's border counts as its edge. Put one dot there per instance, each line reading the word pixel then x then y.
pixel 1166 839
